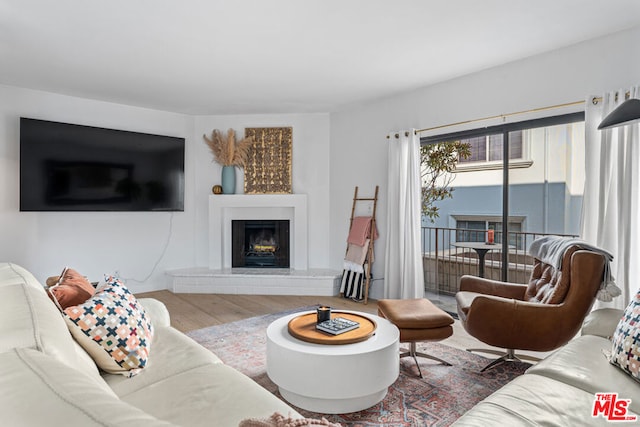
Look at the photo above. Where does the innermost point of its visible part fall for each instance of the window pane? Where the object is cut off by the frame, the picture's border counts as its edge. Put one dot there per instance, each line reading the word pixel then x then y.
pixel 515 237
pixel 557 182
pixel 466 231
pixel 515 145
pixel 478 149
pixel 495 147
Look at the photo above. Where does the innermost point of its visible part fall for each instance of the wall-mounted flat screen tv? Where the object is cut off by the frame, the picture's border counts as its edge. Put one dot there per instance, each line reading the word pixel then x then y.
pixel 69 167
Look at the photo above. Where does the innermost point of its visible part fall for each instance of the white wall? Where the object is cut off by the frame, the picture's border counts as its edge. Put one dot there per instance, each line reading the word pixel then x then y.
pixel 92 242
pixel 359 146
pixel 310 167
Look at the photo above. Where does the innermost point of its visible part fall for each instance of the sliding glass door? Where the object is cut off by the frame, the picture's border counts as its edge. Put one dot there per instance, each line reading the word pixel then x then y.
pixel 517 182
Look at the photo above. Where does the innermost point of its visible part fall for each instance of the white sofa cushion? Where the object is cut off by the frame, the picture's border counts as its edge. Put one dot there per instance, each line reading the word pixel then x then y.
pixel 583 364
pixel 157 312
pixel 28 318
pixel 39 390
pixel 534 400
pixel 601 322
pixel 210 395
pixel 173 353
pixel 188 385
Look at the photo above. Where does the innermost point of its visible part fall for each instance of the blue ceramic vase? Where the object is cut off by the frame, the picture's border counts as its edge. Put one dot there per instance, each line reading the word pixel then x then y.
pixel 228 180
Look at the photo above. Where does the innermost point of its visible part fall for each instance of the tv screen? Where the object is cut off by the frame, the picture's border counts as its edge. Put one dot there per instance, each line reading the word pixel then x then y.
pixel 69 167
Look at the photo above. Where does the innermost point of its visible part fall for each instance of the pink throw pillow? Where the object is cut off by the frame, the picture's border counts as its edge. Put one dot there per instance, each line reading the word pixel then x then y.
pixel 72 288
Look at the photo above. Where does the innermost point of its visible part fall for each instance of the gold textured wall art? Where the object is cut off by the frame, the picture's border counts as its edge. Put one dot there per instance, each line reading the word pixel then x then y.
pixel 268 166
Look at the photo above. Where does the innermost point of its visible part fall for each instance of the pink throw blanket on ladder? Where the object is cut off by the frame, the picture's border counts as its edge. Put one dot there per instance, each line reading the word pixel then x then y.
pixel 361 230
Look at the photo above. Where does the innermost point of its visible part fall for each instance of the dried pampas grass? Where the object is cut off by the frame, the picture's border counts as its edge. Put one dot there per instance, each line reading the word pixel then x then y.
pixel 226 151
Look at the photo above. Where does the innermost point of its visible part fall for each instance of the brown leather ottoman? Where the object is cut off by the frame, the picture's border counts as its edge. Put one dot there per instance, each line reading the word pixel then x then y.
pixel 418 320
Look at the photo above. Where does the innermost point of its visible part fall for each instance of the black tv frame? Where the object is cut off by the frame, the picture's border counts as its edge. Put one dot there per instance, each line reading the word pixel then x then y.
pixel 49 201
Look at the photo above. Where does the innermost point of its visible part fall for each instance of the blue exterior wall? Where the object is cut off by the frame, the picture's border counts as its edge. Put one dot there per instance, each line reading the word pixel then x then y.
pixel 526 200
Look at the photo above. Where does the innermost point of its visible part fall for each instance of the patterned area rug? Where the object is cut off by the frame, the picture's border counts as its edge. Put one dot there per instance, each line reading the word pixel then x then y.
pixel 441 397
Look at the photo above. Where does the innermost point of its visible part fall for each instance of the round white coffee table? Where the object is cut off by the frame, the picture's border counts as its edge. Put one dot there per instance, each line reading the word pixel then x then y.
pixel 333 379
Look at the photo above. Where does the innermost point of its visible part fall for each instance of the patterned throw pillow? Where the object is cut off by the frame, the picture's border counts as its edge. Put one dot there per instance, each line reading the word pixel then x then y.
pixel 113 328
pixel 626 340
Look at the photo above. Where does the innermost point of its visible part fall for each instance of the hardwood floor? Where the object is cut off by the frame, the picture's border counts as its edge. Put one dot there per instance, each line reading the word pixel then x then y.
pixel 195 311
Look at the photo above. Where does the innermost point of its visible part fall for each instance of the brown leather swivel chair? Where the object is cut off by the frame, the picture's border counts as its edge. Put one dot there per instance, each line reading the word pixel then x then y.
pixel 540 316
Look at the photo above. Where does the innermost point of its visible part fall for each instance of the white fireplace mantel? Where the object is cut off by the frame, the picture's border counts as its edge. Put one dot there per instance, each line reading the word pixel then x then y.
pixel 220 278
pixel 225 208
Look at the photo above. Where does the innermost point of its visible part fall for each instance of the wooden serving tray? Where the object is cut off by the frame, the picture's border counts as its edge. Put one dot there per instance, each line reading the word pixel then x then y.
pixel 303 327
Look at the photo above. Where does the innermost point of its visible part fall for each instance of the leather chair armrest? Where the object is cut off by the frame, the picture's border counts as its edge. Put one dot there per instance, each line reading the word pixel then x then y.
pixel 602 322
pixel 492 287
pixel 501 322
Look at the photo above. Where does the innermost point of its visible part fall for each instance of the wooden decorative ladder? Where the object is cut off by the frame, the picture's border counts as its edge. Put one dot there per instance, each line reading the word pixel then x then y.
pixel 369 258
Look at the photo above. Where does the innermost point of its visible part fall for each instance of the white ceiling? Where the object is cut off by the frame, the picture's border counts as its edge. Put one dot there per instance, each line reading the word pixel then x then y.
pixel 276 56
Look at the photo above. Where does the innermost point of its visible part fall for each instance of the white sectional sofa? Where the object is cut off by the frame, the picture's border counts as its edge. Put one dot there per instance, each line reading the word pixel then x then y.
pixel 46 378
pixel 561 389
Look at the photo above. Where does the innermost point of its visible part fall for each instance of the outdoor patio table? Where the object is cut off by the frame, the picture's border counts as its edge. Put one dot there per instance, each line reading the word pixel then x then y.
pixel 481 249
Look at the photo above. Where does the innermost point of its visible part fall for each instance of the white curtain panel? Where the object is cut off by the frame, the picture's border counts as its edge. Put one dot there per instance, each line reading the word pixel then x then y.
pixel 404 277
pixel 610 216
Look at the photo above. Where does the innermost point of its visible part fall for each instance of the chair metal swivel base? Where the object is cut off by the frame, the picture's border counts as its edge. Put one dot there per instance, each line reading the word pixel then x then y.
pixel 508 356
pixel 412 352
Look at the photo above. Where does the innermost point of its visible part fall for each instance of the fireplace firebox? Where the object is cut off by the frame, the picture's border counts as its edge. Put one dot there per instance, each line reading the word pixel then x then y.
pixel 260 243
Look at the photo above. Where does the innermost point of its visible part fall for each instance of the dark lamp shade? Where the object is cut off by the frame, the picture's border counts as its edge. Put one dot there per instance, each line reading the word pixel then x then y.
pixel 626 112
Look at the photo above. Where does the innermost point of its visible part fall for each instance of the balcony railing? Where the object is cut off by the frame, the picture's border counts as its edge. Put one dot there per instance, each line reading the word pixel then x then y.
pixel 444 263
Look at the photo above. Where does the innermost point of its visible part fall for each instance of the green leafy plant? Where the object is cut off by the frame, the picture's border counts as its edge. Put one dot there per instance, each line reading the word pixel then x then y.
pixel 438 162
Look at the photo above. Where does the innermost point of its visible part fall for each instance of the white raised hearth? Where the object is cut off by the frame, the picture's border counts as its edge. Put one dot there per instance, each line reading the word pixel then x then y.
pixel 220 278
pixel 255 281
